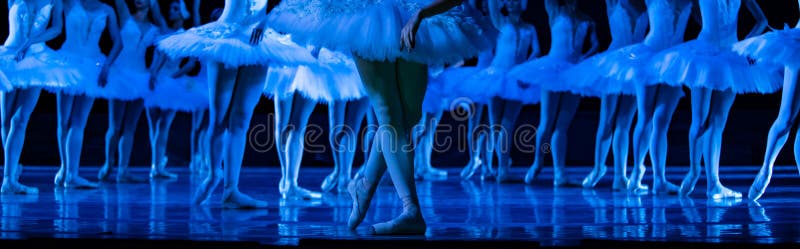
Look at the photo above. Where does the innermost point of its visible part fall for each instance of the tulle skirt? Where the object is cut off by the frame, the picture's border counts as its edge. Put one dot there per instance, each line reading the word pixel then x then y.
pixel 279 81
pixel 780 47
pixel 547 74
pixel 336 78
pixel 455 87
pixel 613 72
pixel 371 29
pixel 181 94
pixel 495 82
pixel 125 83
pixel 229 43
pixel 41 67
pixel 88 69
pixel 701 64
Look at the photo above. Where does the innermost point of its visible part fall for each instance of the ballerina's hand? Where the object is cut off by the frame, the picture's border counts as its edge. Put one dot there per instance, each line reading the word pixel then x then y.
pixel 102 79
pixel 409 33
pixel 258 34
pixel 20 54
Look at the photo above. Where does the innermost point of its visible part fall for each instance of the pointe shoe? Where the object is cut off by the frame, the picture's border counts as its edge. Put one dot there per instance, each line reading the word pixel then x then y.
pixel 620 184
pixel 688 184
pixel 126 177
pixel 77 182
pixel 296 192
pixel 206 188
pixel 720 192
pixel 594 177
pixel 9 187
pixel 470 169
pixel 237 200
pixel 532 173
pixel 330 182
pixel 341 187
pixel 361 192
pixel 665 188
pixel 162 174
pixel 59 179
pixel 410 222
pixel 760 184
pixel 104 173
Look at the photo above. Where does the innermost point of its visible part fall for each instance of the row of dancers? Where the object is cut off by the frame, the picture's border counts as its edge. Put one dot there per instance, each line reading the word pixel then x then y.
pixel 355 54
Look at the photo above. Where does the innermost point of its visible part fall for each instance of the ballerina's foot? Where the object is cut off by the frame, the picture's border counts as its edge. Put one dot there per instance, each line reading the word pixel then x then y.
pixel 759 184
pixel 300 193
pixel 564 182
pixel 344 181
pixel 59 180
pixel 408 223
pixel 688 184
pixel 237 200
pixel 469 170
pixel 665 188
pixel 207 187
pixel 330 182
pixel 594 177
pixel 620 184
pixel 162 174
pixel 17 188
pixel 78 182
pixel 434 172
pixel 532 173
pixel 361 194
pixel 637 188
pixel 104 173
pixel 721 192
pixel 128 178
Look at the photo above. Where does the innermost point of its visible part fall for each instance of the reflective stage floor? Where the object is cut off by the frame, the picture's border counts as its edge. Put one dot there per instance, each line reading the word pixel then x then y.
pixel 473 212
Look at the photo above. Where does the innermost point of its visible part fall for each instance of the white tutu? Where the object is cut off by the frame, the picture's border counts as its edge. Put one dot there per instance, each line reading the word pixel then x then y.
pixel 613 72
pixel 493 82
pixel 41 67
pixel 87 68
pixel 371 29
pixel 335 77
pixel 229 44
pixel 547 73
pixel 701 64
pixel 455 86
pixel 279 81
pixel 780 47
pixel 181 94
pixel 125 83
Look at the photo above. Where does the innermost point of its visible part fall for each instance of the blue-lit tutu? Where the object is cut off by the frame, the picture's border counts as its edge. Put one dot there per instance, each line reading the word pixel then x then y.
pixel 546 73
pixel 279 81
pixel 371 29
pixel 334 78
pixel 613 72
pixel 701 64
pixel 229 44
pixel 88 70
pixel 495 82
pixel 41 67
pixel 435 99
pixel 125 83
pixel 456 88
pixel 780 47
pixel 182 94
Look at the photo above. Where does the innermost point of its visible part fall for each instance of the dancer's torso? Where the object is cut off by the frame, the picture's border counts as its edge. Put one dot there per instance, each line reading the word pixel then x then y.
pixel 567 40
pixel 719 21
pixel 622 24
pixel 667 23
pixel 27 18
pixel 83 30
pixel 244 12
pixel 512 45
pixel 134 44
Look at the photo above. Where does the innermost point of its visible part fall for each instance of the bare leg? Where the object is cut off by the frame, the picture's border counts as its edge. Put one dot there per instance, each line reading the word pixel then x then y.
pixel 474 141
pixel 547 119
pixel 221 84
pixel 64 109
pixel 665 107
pixel 336 110
pixel 779 132
pixel 621 141
pixel 721 103
pixel 283 112
pixel 608 112
pixel 295 146
pixel 355 114
pixel 246 93
pixel 159 141
pixel 26 100
pixel 504 143
pixel 646 100
pixel 132 113
pixel 701 102
pixel 566 112
pixel 116 115
pixel 80 109
pixel 395 90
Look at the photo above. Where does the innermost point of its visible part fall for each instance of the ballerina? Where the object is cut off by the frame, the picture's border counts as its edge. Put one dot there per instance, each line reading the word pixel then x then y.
pixel 715 75
pixel 478 138
pixel 201 161
pixel 505 96
pixel 28 65
pixel 773 48
pixel 656 101
pixel 85 22
pixel 345 113
pixel 628 23
pixel 128 85
pixel 236 56
pixel 172 92
pixel 560 99
pixel 436 100
pixel 394 77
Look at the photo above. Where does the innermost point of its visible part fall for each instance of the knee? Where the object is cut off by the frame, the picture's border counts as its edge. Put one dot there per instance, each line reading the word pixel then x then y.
pixel 782 125
pixel 19 121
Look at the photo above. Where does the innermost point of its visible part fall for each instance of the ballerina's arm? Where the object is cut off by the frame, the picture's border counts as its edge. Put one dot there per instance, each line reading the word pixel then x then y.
pixel 591 30
pixel 758 15
pixel 123 11
pixel 196 13
pixel 113 30
pixel 48 34
pixel 158 18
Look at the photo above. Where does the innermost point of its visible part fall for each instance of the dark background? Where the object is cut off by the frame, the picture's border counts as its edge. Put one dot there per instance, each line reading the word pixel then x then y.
pixel 744 140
